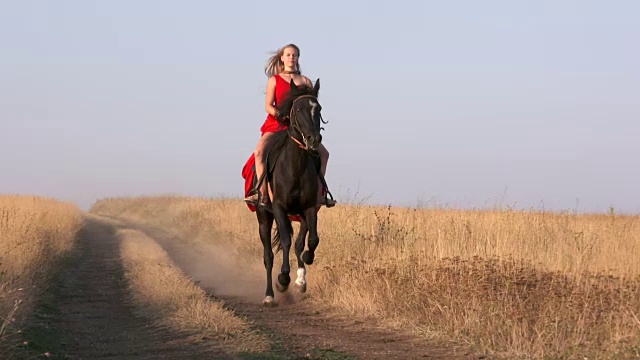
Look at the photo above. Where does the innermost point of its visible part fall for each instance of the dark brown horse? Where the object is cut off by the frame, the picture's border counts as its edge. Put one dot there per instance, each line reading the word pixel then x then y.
pixel 294 177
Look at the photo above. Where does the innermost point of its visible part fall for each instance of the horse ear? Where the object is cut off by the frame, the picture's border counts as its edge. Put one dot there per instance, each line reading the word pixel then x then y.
pixel 293 85
pixel 316 87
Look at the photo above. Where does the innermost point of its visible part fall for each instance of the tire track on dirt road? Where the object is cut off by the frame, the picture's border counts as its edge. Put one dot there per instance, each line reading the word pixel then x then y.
pixel 88 314
pixel 298 330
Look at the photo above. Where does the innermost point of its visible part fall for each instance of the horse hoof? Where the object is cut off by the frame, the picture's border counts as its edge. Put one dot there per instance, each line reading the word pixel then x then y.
pixel 283 282
pixel 307 257
pixel 269 301
pixel 302 288
pixel 281 288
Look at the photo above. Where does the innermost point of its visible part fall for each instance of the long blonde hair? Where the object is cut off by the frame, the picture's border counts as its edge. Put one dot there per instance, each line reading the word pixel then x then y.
pixel 275 66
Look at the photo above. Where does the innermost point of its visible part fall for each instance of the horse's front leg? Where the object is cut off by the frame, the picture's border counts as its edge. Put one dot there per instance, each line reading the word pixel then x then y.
pixel 285 229
pixel 265 221
pixel 301 281
pixel 311 215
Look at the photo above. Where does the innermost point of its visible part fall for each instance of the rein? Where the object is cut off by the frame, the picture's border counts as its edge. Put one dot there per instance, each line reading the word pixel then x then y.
pixel 300 145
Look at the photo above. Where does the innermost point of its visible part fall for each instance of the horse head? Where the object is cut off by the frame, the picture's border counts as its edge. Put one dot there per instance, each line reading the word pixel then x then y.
pixel 304 111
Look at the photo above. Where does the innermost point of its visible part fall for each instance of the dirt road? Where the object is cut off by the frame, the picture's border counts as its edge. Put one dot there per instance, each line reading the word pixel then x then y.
pixel 88 315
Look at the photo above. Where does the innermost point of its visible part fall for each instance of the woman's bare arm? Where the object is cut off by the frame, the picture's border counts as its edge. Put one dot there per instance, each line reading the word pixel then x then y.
pixel 271 96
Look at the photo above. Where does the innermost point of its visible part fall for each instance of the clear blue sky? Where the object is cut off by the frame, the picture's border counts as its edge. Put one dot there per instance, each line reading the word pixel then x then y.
pixel 462 103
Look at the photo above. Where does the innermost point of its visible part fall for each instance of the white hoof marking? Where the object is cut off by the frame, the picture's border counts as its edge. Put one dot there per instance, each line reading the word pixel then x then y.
pixel 301 280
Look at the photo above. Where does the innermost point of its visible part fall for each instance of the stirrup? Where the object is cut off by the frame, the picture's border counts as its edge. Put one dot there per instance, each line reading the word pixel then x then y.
pixel 328 202
pixel 252 199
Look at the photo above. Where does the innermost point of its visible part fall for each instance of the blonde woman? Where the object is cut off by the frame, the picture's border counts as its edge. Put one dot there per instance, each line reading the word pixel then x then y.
pixel 281 69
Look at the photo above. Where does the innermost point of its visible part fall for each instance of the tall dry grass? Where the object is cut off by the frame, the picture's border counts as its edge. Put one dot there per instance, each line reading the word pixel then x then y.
pixel 164 293
pixel 521 284
pixel 35 234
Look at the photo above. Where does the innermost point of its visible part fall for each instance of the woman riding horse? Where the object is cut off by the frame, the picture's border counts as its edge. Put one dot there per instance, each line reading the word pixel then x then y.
pixel 282 69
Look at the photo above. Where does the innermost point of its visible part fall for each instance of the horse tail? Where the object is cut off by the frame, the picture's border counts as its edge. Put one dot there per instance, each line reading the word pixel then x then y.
pixel 275 243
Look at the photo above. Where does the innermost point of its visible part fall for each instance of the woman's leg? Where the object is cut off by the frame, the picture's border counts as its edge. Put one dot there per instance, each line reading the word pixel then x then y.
pixel 324 158
pixel 259 157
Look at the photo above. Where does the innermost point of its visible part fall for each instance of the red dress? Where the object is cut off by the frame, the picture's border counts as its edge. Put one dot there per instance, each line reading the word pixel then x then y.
pixel 270 125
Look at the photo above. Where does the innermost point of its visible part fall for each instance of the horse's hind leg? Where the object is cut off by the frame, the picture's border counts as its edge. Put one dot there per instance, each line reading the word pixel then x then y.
pixel 285 230
pixel 311 215
pixel 301 281
pixel 265 220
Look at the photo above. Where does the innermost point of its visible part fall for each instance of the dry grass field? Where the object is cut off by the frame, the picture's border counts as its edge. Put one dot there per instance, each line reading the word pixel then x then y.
pixel 35 233
pixel 518 284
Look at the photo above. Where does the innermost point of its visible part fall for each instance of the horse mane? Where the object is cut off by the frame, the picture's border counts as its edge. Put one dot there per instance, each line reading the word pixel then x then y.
pixel 285 106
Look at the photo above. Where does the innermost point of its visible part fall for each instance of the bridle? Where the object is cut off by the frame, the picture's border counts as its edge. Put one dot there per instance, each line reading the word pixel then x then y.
pixel 294 123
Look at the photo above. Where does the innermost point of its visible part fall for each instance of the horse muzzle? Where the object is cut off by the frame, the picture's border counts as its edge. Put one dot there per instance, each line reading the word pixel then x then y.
pixel 313 142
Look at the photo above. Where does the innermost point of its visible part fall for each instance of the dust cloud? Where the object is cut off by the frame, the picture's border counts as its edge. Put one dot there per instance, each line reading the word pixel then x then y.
pixel 218 270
